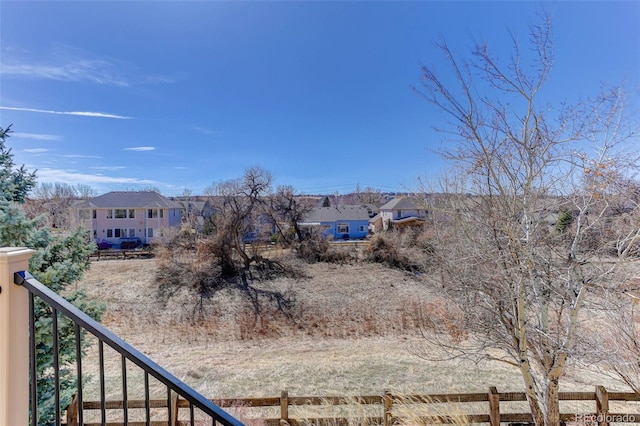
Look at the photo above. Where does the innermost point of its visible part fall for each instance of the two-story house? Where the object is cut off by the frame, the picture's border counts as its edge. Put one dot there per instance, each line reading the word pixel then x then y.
pixel 119 215
pixel 400 212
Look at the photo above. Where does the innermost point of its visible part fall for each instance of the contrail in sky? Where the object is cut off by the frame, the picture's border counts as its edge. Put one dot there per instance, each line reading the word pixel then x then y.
pixel 80 113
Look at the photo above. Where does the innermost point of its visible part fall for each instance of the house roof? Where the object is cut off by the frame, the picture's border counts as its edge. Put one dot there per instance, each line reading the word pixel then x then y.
pixel 401 203
pixel 407 220
pixel 131 199
pixel 335 213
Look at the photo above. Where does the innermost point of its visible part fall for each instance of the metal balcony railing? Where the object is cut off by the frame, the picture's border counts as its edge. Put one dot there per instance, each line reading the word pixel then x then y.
pixel 83 324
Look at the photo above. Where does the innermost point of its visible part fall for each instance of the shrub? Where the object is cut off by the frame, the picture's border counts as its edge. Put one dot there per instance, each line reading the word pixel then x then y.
pixel 321 250
pixel 208 266
pixel 406 251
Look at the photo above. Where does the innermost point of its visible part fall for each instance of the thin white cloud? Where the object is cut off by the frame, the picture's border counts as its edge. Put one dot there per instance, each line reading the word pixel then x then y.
pixel 79 156
pixel 205 131
pixel 68 63
pixel 73 177
pixel 35 150
pixel 95 71
pixel 80 113
pixel 141 148
pixel 110 168
pixel 36 136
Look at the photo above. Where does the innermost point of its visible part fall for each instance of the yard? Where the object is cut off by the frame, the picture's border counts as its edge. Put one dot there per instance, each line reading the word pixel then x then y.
pixel 357 332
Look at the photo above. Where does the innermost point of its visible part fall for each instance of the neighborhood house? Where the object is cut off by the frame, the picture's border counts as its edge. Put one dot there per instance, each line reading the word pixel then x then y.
pixel 128 217
pixel 347 222
pixel 400 212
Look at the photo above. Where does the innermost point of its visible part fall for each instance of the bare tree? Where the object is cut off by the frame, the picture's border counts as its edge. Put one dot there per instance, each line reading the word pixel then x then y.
pixel 238 204
pixel 54 201
pixel 84 192
pixel 146 188
pixel 221 259
pixel 369 196
pixel 287 210
pixel 616 345
pixel 525 230
pixel 619 345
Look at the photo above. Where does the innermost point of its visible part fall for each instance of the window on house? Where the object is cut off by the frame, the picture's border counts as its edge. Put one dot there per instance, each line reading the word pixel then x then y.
pixel 161 213
pixel 362 228
pixel 117 233
pixel 95 234
pixel 132 233
pixel 95 214
pixel 109 214
pixel 121 213
pixel 152 213
pixel 150 232
pixel 132 214
pixel 343 228
pixel 109 233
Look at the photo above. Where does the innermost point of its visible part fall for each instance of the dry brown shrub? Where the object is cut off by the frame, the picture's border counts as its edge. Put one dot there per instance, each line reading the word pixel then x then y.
pixel 319 249
pixel 443 317
pixel 408 251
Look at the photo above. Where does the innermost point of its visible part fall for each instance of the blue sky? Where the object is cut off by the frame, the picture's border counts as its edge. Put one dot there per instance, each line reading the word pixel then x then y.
pixel 123 95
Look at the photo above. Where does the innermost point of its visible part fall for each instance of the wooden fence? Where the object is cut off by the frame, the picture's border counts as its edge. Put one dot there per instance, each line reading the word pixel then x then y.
pixel 121 253
pixel 457 408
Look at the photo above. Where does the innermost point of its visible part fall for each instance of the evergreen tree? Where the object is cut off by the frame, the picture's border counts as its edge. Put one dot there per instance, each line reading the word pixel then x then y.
pixel 14 184
pixel 57 263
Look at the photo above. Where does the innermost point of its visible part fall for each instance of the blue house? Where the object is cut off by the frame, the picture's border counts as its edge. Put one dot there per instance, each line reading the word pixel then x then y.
pixel 348 222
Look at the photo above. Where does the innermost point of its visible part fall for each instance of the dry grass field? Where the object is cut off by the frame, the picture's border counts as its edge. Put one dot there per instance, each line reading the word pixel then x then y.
pixel 355 331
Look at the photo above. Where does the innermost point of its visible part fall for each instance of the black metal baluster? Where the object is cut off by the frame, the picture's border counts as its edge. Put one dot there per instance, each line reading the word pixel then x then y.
pixel 83 323
pixel 103 407
pixel 79 373
pixel 32 361
pixel 147 405
pixel 56 363
pixel 125 403
pixel 169 404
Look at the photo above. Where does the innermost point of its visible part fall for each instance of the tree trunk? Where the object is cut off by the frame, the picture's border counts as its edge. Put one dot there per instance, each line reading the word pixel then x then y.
pixel 552 403
pixel 532 396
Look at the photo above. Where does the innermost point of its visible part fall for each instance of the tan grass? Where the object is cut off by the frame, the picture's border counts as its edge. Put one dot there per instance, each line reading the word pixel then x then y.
pixel 355 332
pixel 410 411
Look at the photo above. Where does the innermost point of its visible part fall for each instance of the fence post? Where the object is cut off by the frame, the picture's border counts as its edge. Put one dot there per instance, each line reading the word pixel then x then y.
pixel 14 338
pixel 388 408
pixel 72 412
pixel 175 406
pixel 602 406
pixel 494 406
pixel 284 407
